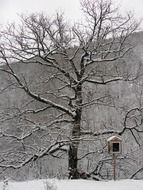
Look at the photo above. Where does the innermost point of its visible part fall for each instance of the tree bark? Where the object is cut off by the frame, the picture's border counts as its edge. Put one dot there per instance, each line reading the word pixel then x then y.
pixel 73 152
pixel 73 149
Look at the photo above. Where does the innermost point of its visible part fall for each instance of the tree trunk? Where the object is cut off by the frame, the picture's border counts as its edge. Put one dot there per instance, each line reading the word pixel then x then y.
pixel 73 149
pixel 73 152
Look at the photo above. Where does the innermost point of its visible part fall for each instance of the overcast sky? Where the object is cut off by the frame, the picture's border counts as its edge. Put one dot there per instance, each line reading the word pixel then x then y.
pixel 9 9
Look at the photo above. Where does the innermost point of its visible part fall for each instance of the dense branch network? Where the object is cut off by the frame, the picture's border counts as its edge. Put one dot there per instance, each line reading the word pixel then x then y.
pixel 72 59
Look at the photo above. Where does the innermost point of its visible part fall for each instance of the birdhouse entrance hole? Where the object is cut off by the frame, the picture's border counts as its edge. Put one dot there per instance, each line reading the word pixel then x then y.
pixel 116 147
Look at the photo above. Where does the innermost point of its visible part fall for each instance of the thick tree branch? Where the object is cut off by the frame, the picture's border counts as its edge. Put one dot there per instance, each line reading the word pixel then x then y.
pixel 37 97
pixel 104 82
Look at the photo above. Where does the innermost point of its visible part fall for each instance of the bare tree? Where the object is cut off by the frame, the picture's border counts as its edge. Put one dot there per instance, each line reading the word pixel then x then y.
pixel 72 58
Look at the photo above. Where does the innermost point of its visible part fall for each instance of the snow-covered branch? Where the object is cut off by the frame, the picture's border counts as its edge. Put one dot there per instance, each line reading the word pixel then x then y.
pixel 104 82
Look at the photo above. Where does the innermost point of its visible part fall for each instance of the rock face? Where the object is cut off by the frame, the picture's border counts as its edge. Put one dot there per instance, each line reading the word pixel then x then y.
pixel 111 113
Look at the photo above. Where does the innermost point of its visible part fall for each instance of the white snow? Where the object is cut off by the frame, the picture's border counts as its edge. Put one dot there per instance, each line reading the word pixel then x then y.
pixel 112 138
pixel 73 185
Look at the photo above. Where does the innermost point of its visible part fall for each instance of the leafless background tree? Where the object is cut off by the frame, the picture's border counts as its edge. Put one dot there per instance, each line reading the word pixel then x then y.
pixel 57 74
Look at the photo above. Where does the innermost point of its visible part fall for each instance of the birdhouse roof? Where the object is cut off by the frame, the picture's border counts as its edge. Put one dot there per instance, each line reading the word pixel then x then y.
pixel 114 138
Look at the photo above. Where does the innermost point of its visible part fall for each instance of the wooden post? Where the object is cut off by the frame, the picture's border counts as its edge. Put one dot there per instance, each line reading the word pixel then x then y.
pixel 114 148
pixel 114 166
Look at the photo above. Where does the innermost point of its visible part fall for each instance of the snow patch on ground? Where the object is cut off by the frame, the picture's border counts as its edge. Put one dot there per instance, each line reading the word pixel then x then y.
pixel 73 185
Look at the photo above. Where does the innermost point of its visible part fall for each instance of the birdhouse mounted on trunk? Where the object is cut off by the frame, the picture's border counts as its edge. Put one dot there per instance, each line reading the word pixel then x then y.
pixel 114 145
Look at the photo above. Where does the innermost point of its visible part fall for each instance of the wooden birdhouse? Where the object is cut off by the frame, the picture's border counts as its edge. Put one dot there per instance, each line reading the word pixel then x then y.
pixel 114 145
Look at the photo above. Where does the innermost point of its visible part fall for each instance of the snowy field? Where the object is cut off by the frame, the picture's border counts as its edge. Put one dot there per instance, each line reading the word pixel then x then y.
pixel 73 185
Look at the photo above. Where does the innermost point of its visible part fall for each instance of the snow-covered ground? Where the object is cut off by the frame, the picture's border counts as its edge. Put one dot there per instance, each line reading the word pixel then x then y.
pixel 73 185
